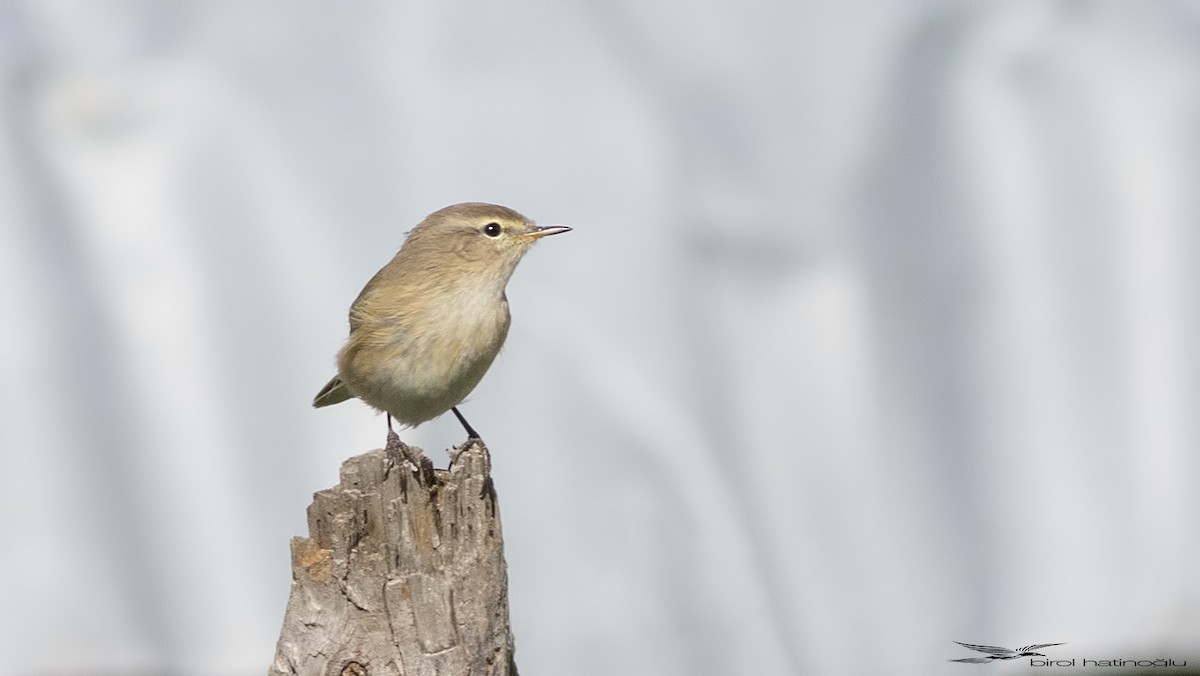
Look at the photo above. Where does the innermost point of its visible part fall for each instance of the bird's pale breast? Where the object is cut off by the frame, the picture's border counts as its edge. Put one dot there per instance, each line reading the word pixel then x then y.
pixel 417 364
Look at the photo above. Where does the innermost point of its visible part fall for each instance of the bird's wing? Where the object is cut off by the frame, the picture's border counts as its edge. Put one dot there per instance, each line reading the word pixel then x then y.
pixel 989 649
pixel 1037 646
pixel 972 660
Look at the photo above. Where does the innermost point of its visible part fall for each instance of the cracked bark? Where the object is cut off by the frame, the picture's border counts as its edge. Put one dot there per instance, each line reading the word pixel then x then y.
pixel 402 573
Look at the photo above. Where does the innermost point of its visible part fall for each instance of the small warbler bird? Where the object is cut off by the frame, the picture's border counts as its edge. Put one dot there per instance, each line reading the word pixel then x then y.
pixel 427 326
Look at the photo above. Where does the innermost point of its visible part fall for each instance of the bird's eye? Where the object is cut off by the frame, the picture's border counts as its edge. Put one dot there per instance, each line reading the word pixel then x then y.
pixel 492 229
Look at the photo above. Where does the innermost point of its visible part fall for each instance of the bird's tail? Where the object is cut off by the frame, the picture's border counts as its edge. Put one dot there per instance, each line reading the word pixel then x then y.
pixel 334 392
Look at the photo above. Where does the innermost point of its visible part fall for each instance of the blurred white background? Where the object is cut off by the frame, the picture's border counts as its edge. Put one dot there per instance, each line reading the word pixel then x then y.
pixel 877 328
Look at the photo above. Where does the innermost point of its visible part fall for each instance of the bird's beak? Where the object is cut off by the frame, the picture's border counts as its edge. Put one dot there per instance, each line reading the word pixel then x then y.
pixel 537 232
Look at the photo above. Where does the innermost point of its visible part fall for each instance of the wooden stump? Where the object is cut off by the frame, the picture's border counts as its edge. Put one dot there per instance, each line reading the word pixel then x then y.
pixel 402 573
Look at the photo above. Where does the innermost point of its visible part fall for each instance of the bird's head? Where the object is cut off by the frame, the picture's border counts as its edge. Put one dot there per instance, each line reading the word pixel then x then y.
pixel 476 240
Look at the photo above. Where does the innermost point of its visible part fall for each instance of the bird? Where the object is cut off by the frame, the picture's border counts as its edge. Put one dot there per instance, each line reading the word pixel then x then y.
pixel 998 653
pixel 427 326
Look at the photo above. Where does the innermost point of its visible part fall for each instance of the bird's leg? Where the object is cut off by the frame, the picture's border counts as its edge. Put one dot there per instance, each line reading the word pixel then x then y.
pixel 471 433
pixel 400 452
pixel 394 449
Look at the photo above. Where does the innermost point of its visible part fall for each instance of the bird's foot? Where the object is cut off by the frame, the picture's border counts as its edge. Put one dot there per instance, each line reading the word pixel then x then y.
pixel 472 435
pixel 395 449
pixel 404 456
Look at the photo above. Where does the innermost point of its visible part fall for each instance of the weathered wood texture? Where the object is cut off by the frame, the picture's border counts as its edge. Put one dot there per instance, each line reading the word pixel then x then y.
pixel 402 573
